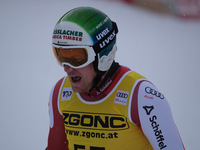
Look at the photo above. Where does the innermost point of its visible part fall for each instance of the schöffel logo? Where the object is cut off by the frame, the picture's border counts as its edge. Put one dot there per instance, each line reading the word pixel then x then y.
pixel 148 109
pixel 153 121
pixel 154 92
pixel 95 121
pixel 66 93
pixel 121 97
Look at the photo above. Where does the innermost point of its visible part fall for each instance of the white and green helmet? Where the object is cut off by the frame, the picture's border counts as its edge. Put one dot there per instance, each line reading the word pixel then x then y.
pixel 88 27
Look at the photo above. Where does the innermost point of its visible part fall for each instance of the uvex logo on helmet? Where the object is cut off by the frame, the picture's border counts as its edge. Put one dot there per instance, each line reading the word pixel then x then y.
pixel 107 40
pixel 102 34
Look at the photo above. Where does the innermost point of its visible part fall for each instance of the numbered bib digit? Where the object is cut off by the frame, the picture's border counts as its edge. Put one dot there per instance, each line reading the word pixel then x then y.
pixel 82 147
pixel 78 147
pixel 97 148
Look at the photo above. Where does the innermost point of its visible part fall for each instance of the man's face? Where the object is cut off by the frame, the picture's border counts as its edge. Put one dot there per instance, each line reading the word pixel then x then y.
pixel 82 78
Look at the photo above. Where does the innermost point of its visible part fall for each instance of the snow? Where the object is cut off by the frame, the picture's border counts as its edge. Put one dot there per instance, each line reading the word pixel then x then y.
pixel 164 49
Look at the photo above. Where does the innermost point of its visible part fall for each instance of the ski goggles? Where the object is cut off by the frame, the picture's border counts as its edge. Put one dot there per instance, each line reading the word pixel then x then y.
pixel 81 56
pixel 74 56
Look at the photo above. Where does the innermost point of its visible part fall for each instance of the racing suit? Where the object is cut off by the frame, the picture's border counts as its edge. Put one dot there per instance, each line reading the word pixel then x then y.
pixel 127 113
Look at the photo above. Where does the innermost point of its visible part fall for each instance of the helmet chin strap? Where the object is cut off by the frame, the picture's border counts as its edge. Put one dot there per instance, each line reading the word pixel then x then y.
pixel 98 82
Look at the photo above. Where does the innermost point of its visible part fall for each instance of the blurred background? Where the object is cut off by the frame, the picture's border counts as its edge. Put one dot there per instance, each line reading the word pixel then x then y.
pixel 158 39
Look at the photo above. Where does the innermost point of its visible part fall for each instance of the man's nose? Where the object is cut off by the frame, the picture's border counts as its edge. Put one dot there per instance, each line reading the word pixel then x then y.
pixel 68 69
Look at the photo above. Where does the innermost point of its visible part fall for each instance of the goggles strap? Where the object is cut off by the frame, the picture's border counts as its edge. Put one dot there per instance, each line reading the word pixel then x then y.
pixel 109 38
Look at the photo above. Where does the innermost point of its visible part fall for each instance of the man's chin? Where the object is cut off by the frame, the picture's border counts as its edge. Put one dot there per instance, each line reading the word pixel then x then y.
pixel 80 90
pixel 77 89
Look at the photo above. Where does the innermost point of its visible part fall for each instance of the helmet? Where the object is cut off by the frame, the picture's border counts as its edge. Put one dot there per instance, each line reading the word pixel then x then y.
pixel 89 29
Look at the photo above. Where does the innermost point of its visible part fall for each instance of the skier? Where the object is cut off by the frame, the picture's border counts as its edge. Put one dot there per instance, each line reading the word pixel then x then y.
pixel 100 104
